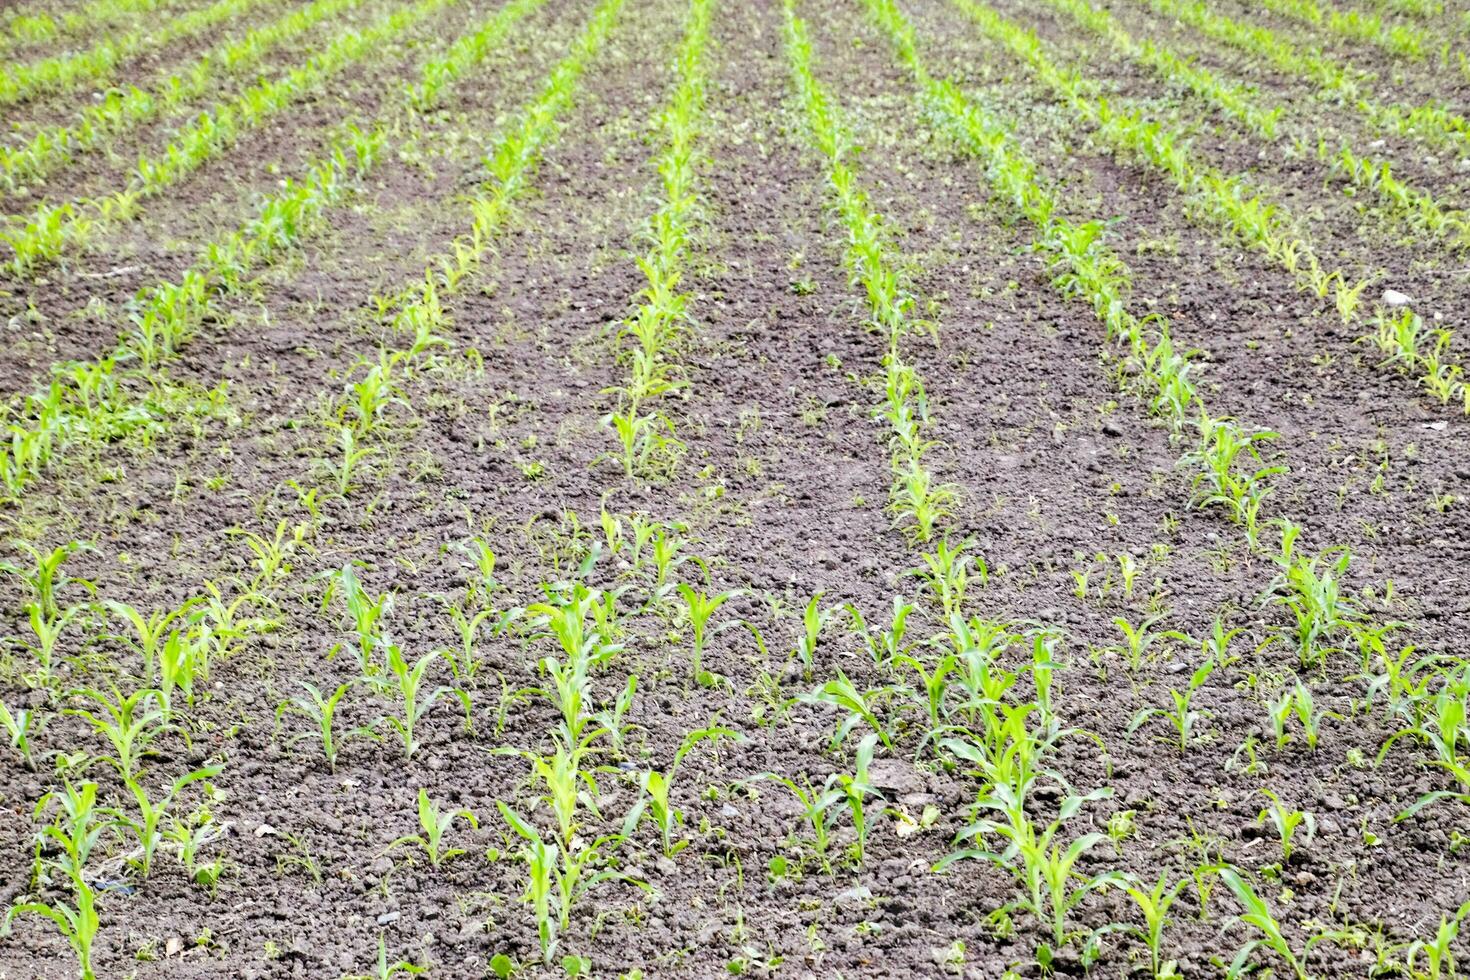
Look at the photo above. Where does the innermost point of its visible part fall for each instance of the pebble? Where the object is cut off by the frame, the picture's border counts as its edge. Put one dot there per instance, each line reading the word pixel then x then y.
pixel 895 776
pixel 387 917
pixel 1394 300
pixel 853 897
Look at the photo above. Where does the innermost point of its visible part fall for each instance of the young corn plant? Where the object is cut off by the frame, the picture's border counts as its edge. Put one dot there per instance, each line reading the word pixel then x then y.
pixel 1287 822
pixel 1297 703
pixel 47 646
pixel 814 620
pixel 700 609
pixel 435 824
pixel 858 707
pixel 817 806
pixel 78 922
pixel 545 887
pixel 566 868
pixel 1183 716
pixel 464 661
pixel 69 840
pixel 44 577
pixel 1154 905
pixel 1257 915
pixel 886 645
pixel 1438 954
pixel 74 830
pixel 148 825
pixel 369 614
pixel 855 789
pixel 404 682
pixel 130 724
pixel 1440 722
pixel 189 834
pixel 1052 886
pixel 19 725
pixel 1227 457
pixel 1309 588
pixel 152 632
pixel 656 785
pixel 947 573
pixel 321 711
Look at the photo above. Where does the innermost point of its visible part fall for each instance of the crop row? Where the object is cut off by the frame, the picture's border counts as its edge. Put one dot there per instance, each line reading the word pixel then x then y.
pixel 34 26
pixel 52 229
pixel 646 439
pixel 85 403
pixel 1228 201
pixel 120 109
pixel 63 72
pixel 919 502
pixel 1430 121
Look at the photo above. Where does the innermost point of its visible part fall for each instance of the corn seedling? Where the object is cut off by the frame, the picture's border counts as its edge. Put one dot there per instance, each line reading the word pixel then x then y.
pixel 1052 887
pixel 656 786
pixel 192 832
pixel 44 578
pixel 403 681
pixel 1154 905
pixel 148 825
pixel 1257 915
pixel 814 619
pixel 562 871
pixel 47 647
pixel 435 824
pixel 322 712
pixel 368 613
pixel 947 572
pixel 1287 822
pixel 857 706
pixel 384 970
pixel 1182 716
pixel 855 790
pixel 1441 723
pixel 816 806
pixel 463 661
pixel 129 724
pixel 700 609
pixel 1298 703
pixel 1142 643
pixel 151 633
pixel 78 923
pixel 1438 954
pixel 1309 588
pixel 888 644
pixel 19 725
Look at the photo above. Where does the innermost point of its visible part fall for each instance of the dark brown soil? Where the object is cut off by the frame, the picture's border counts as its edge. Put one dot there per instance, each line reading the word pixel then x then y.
pixel 781 494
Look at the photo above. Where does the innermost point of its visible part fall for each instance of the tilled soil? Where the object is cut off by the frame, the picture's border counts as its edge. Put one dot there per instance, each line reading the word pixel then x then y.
pixel 1063 480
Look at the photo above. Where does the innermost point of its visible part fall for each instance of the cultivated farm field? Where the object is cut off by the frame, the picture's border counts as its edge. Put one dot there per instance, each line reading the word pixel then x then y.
pixel 697 488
